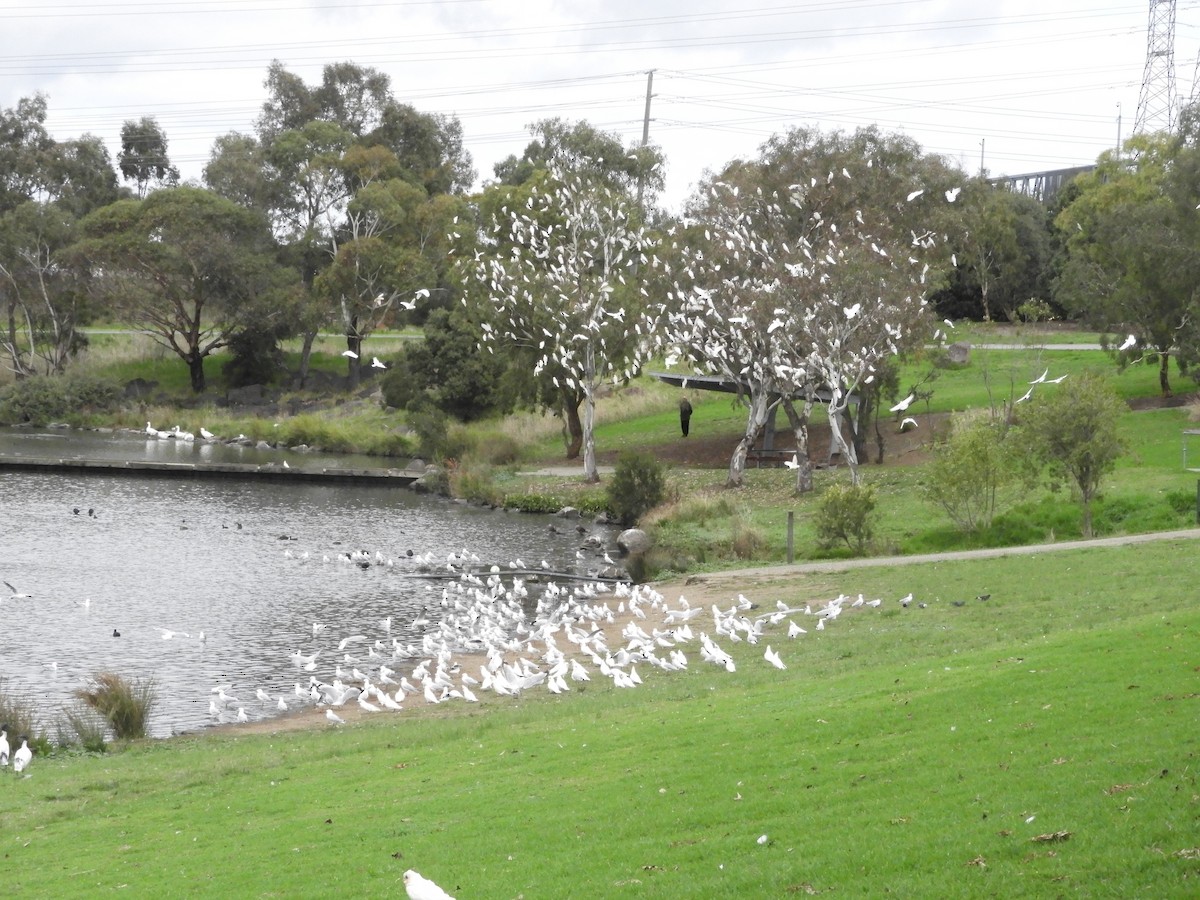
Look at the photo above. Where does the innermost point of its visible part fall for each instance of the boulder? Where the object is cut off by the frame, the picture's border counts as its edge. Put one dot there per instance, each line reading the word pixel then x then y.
pixel 633 542
pixel 959 353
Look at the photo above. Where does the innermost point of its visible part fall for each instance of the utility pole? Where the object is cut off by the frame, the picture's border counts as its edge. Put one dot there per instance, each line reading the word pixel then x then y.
pixel 982 141
pixel 1118 131
pixel 645 135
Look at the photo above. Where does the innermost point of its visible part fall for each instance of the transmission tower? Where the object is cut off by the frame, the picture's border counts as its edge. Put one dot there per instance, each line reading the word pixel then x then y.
pixel 1156 103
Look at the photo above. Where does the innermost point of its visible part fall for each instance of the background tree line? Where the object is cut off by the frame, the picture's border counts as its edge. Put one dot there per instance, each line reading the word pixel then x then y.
pixel 349 210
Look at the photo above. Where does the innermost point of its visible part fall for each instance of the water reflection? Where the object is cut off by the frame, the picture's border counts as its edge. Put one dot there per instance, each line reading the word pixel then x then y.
pixel 127 445
pixel 252 565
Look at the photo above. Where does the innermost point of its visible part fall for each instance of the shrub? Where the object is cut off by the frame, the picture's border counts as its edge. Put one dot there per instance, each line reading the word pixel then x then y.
pixel 969 470
pixel 747 542
pixel 639 483
pixel 87 727
pixel 43 398
pixel 432 427
pixel 125 704
pixel 19 715
pixel 844 513
pixel 475 483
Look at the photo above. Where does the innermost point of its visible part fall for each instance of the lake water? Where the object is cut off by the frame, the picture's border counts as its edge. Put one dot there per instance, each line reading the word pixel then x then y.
pixel 251 564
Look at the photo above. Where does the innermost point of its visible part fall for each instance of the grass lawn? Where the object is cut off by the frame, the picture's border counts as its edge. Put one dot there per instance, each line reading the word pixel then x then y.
pixel 1041 743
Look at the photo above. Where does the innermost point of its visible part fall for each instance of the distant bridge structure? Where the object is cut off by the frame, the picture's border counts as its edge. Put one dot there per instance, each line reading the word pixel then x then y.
pixel 1041 186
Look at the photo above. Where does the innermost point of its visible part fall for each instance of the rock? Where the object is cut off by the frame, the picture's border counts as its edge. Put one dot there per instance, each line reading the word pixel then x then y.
pixel 263 445
pixel 602 519
pixel 568 512
pixel 633 542
pixel 959 353
pixel 591 542
pixel 251 393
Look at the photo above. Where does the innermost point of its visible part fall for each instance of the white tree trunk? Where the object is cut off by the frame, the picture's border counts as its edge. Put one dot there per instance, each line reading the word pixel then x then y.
pixel 837 439
pixel 755 420
pixel 590 473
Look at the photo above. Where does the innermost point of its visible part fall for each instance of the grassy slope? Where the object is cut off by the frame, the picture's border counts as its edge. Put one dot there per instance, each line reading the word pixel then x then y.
pixel 902 751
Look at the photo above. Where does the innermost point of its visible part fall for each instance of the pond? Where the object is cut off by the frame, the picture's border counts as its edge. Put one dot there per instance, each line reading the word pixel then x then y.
pixel 253 565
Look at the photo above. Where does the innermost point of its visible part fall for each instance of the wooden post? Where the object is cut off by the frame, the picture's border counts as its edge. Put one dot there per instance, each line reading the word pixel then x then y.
pixel 791 554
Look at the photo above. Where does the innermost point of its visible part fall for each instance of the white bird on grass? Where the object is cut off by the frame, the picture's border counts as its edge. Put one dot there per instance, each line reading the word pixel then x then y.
pixel 773 658
pixel 349 354
pixel 334 717
pixel 1040 378
pixel 418 887
pixel 4 750
pixel 794 462
pixel 1024 397
pixel 22 757
pixel 1058 380
pixel 377 363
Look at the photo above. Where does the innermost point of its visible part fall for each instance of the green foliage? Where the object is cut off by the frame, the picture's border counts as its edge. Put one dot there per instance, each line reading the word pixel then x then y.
pixel 255 357
pixel 42 399
pixel 447 369
pixel 969 470
pixel 87 726
pixel 18 713
pixel 475 483
pixel 545 504
pixel 639 484
pixel 844 515
pixel 126 704
pixel 1074 432
pixel 432 427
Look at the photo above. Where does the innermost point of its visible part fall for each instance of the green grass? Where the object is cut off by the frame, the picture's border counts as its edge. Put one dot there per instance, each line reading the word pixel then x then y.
pixel 901 753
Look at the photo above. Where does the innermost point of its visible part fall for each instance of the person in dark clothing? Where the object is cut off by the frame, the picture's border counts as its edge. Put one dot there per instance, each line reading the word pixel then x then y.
pixel 685 416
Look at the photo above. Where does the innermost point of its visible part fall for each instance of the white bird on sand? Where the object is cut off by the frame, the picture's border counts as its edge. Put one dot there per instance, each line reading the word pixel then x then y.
pixel 1128 342
pixel 22 757
pixel 419 887
pixel 377 363
pixel 349 354
pixel 904 404
pixel 334 717
pixel 773 658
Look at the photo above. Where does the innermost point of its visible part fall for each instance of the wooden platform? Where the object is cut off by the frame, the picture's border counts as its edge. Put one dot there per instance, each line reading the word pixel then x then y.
pixel 270 472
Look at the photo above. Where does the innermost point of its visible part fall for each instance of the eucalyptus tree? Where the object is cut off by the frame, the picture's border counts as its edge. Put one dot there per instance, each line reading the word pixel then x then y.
pixel 45 185
pixel 143 158
pixel 561 273
pixel 315 146
pixel 1133 248
pixel 186 266
pixel 601 159
pixel 789 312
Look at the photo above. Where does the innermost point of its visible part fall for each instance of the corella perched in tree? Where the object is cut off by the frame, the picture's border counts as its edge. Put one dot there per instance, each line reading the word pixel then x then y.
pixel 790 305
pixel 561 276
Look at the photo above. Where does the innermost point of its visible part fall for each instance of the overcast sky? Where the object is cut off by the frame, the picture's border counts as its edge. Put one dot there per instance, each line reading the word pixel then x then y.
pixel 1028 85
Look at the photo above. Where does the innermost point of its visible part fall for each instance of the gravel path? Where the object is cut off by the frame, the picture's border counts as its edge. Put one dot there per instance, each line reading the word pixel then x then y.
pixel 844 565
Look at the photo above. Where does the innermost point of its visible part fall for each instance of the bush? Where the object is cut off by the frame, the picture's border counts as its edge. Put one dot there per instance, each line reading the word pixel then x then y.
pixel 43 399
pixel 19 715
pixel 87 727
pixel 432 428
pixel 844 513
pixel 125 704
pixel 639 484
pixel 969 470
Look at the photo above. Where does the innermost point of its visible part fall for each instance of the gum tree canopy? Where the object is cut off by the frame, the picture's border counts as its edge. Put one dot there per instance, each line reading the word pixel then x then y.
pixel 185 265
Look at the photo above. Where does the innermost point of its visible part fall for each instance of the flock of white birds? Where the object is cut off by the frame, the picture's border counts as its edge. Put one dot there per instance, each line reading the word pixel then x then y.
pixel 495 632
